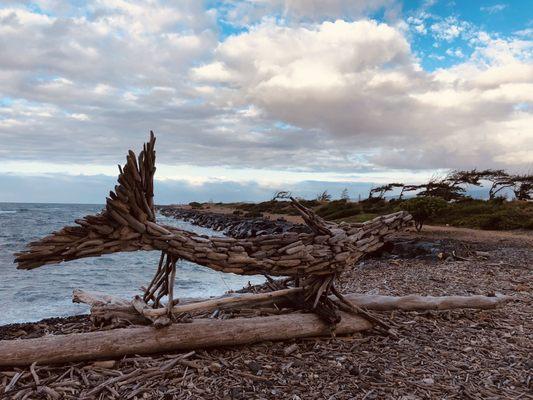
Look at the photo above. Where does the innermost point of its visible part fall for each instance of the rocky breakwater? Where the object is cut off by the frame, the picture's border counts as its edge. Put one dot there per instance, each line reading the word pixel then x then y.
pixel 236 226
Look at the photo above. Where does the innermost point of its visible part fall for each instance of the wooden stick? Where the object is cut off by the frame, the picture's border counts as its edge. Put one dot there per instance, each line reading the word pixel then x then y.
pixel 358 310
pixel 171 279
pixel 148 340
pixel 97 298
pixel 225 302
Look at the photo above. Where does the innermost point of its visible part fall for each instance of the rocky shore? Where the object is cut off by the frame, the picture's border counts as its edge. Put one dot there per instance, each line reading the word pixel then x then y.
pixel 234 225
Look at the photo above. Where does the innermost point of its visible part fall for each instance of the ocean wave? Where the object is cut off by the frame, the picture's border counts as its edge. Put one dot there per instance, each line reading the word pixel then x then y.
pixel 7 211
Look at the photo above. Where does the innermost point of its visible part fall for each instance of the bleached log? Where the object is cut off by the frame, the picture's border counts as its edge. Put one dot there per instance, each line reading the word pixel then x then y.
pixel 414 302
pixel 200 333
pixel 97 298
pixel 106 309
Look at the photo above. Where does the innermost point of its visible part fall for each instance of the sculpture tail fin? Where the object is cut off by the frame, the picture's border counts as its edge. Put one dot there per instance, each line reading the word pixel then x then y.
pixel 132 201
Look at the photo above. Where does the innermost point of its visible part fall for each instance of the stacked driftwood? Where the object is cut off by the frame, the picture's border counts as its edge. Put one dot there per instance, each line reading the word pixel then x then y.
pixel 312 260
pixel 128 224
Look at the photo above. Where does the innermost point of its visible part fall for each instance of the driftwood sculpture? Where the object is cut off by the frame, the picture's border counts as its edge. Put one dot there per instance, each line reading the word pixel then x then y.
pixel 310 260
pixel 128 223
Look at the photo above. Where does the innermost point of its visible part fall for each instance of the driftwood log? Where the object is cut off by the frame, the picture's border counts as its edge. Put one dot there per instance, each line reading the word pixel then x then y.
pixel 200 333
pixel 128 224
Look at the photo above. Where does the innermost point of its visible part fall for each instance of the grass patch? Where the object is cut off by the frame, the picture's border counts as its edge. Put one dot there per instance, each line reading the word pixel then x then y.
pixel 487 215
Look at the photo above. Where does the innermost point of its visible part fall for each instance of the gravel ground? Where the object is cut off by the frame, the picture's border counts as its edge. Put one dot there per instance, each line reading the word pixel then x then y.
pixel 463 354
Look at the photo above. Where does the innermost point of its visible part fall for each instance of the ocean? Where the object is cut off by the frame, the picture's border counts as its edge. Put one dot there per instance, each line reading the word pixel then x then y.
pixel 47 291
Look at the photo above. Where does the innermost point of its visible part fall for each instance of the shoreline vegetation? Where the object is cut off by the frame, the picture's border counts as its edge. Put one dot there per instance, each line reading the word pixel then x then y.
pixel 440 201
pixel 465 213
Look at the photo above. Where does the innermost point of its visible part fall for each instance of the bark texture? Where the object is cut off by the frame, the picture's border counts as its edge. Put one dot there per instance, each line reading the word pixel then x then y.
pixel 149 340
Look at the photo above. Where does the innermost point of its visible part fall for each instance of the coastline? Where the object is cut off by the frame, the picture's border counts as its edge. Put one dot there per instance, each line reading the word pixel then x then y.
pixel 234 225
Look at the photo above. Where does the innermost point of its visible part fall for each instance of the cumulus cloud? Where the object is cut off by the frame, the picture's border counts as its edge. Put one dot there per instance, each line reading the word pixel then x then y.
pixel 449 28
pixel 301 90
pixel 249 12
pixel 333 77
pixel 114 67
pixel 359 84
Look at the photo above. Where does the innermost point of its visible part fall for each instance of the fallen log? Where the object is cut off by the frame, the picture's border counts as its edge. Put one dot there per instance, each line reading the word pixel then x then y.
pixel 200 333
pixel 414 302
pixel 107 309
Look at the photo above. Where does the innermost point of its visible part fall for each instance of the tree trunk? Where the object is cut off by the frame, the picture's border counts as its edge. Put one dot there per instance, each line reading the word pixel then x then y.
pixel 414 302
pixel 148 340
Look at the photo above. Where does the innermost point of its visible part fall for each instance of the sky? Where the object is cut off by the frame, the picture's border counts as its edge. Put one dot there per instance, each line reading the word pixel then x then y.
pixel 253 96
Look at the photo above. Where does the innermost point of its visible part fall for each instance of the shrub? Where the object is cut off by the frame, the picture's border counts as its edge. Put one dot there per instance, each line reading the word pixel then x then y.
pixel 253 214
pixel 337 209
pixel 195 204
pixel 423 208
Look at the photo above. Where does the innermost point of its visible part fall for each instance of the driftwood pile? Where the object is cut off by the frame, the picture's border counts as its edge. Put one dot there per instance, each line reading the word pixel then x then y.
pixel 312 260
pixel 209 332
pixel 128 224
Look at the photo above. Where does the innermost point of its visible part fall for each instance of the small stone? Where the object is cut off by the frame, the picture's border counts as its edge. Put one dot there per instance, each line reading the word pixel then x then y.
pixel 105 364
pixel 428 381
pixel 290 349
pixel 255 367
pixel 215 367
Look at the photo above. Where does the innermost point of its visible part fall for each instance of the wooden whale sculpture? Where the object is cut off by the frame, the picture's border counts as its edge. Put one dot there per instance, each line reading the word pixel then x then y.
pixel 128 223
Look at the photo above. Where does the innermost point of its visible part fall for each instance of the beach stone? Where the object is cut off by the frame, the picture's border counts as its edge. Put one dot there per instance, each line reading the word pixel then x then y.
pixel 254 366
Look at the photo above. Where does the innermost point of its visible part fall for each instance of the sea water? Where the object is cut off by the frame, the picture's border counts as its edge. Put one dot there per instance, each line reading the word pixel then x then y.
pixel 47 291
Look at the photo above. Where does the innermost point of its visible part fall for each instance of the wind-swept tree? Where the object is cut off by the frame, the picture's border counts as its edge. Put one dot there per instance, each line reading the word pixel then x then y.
pixel 323 197
pixel 409 188
pixel 440 187
pixel 499 180
pixel 468 177
pixel 381 190
pixel 281 194
pixel 345 195
pixel 452 186
pixel 523 187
